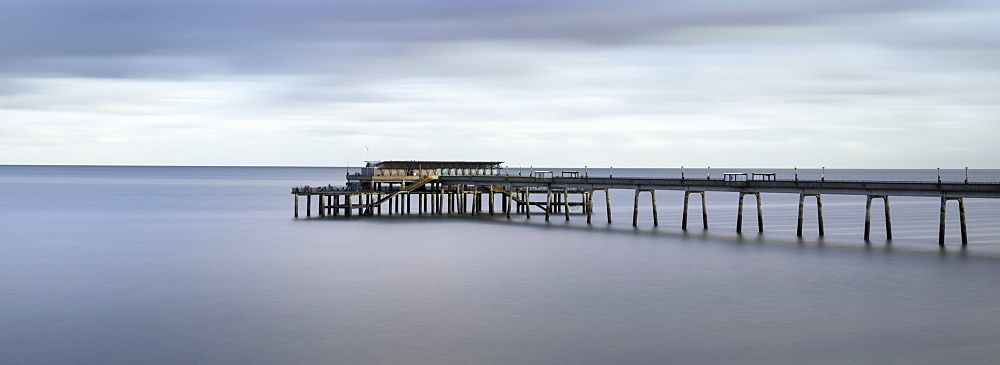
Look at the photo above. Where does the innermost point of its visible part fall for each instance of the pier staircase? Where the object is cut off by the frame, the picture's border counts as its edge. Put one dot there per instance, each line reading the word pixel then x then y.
pixel 408 188
pixel 417 184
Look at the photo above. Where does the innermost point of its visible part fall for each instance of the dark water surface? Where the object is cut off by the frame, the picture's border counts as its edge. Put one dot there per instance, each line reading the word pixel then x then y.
pixel 207 265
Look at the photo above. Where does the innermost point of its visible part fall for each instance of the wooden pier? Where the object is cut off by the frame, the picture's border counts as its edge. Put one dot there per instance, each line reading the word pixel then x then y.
pixel 461 188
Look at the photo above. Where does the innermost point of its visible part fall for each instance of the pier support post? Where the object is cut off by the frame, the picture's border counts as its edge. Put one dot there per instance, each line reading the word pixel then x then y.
pixel 760 213
pixel 492 200
pixel 566 202
pixel 589 204
pixel 607 203
pixel 336 205
pixel 704 209
pixel 296 205
pixel 518 203
pixel 475 200
pixel 961 214
pixel 509 201
pixel 366 209
pixel 348 202
pixel 635 209
pixel 503 202
pixel 548 203
pixel 656 219
pixel 819 212
pixel 321 209
pixel 527 202
pixel 868 216
pixel 309 203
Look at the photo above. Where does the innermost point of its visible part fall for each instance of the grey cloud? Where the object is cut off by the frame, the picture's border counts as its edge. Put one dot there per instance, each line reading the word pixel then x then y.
pixel 713 77
pixel 116 38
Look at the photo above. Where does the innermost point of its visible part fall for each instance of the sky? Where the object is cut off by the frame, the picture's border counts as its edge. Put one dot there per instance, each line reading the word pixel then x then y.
pixel 561 83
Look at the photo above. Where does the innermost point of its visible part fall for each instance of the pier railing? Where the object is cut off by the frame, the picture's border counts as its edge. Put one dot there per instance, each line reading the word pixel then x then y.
pixel 848 187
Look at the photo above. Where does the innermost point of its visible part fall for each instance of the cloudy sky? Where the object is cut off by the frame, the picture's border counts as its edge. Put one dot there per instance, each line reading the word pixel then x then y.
pixel 630 83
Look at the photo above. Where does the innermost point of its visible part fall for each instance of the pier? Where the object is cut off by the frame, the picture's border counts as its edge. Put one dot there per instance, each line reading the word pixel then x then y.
pixel 452 187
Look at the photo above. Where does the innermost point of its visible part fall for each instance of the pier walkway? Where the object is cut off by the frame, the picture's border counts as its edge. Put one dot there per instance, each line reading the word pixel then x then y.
pixel 465 194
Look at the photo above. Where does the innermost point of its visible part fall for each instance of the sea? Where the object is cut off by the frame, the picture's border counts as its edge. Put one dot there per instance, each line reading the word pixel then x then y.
pixel 208 265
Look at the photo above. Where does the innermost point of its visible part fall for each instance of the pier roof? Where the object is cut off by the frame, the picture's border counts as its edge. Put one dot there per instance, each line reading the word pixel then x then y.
pixel 436 164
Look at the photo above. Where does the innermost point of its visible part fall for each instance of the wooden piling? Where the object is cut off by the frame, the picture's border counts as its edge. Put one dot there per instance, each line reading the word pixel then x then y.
pixel 704 209
pixel 548 203
pixel 348 205
pixel 492 200
pixel 760 213
pixel 475 200
pixel 589 205
pixel 819 212
pixel 868 216
pixel 739 215
pixel 320 209
pixel 656 219
pixel 509 200
pixel 635 209
pixel 527 202
pixel 961 212
pixel 566 202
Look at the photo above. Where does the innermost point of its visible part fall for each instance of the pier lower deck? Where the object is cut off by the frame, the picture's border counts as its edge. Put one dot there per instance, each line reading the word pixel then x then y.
pixel 468 194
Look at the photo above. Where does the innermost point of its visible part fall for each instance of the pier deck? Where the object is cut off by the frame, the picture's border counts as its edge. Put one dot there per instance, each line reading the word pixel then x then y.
pixel 464 194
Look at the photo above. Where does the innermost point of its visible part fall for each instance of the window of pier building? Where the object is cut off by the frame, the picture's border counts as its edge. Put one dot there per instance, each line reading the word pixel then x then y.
pixel 424 168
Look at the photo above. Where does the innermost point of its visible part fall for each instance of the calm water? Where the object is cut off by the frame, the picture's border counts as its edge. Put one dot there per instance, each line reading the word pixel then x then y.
pixel 207 265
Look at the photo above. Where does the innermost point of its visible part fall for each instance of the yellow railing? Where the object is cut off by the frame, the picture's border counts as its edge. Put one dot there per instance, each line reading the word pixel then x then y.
pixel 419 183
